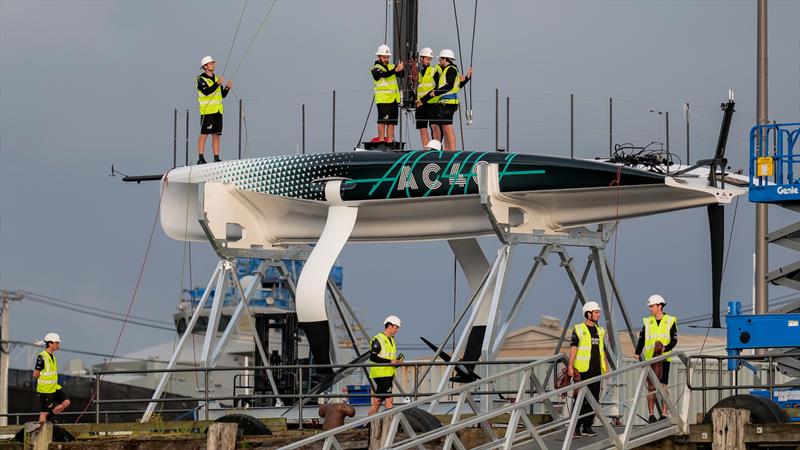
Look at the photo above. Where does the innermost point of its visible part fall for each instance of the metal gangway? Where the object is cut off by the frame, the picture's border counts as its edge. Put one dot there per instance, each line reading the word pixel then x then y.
pixel 521 432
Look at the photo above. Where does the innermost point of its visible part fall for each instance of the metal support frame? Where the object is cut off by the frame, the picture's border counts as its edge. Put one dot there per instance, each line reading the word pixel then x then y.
pixel 555 434
pixel 499 324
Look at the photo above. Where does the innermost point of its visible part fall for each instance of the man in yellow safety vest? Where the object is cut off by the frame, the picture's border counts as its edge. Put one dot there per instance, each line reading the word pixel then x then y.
pixel 387 93
pixel 383 350
pixel 426 111
pixel 210 93
pixel 448 83
pixel 587 357
pixel 52 399
pixel 658 327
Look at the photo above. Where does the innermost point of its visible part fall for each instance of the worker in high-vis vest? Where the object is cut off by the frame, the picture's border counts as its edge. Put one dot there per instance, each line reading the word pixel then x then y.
pixel 663 328
pixel 587 358
pixel 210 92
pixel 52 399
pixel 383 353
pixel 426 111
pixel 448 83
pixel 387 92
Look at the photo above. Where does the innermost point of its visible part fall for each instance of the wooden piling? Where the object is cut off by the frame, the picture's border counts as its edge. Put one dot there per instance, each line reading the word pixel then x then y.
pixel 222 436
pixel 729 424
pixel 39 437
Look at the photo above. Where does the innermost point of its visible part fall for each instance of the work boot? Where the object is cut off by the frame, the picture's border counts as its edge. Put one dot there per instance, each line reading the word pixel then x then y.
pixel 577 433
pixel 588 431
pixel 201 160
pixel 652 419
pixel 216 158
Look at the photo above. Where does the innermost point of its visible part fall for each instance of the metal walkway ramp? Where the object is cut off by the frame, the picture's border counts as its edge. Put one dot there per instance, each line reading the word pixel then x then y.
pixel 520 432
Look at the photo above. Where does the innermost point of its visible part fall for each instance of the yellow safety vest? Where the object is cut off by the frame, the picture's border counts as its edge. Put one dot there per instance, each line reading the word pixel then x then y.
pixel 386 90
pixel 427 83
pixel 388 351
pixel 654 332
pixel 48 377
pixel 212 103
pixel 450 97
pixel 585 347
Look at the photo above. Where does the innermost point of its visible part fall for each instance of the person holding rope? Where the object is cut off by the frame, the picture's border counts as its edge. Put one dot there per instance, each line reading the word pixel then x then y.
pixel 52 399
pixel 587 359
pixel 387 92
pixel 210 93
pixel 448 83
pixel 659 328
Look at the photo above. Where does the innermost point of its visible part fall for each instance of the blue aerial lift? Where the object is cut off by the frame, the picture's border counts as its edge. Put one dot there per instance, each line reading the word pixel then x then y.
pixel 775 174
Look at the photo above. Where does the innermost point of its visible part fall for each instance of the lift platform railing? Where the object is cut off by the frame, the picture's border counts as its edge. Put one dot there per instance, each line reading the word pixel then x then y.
pixel 625 438
pixel 304 391
pixel 758 364
pixel 775 171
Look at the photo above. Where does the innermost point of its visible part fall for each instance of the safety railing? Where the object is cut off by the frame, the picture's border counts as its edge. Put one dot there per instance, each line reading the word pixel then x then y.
pixel 775 171
pixel 525 398
pixel 301 393
pixel 766 365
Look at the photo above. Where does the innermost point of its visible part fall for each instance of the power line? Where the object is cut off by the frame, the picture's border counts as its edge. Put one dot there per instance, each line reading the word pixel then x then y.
pixel 80 305
pixel 81 352
pixel 99 315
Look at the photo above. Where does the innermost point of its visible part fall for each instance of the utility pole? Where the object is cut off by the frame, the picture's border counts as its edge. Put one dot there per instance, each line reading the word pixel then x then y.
pixel 762 257
pixel 7 297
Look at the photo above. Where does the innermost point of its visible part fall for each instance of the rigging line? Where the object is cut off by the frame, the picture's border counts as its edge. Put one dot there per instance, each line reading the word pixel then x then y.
pixel 135 290
pixel 102 316
pixel 263 21
pixel 386 21
pixel 227 58
pixel 364 129
pixel 472 51
pixel 460 55
pixel 60 300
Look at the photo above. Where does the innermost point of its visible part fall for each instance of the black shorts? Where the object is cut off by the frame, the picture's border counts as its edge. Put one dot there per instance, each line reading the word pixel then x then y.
pixel 211 124
pixel 425 114
pixel 383 387
pixel 50 401
pixel 445 113
pixel 664 373
pixel 387 113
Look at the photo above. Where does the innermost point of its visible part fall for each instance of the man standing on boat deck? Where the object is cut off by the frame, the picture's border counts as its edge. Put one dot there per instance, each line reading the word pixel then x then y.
pixel 587 357
pixel 663 328
pixel 426 111
pixel 387 93
pixel 383 350
pixel 448 82
pixel 210 93
pixel 52 399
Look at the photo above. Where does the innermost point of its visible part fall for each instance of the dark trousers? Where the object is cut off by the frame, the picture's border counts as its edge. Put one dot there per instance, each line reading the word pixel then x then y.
pixel 586 408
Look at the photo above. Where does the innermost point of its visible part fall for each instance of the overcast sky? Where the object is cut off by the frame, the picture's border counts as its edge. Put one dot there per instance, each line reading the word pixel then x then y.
pixel 87 84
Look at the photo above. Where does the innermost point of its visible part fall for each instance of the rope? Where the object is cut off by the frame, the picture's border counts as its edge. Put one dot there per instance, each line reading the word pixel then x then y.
pixel 364 129
pixel 386 22
pixel 133 296
pixel 252 41
pixel 472 51
pixel 460 58
pixel 228 56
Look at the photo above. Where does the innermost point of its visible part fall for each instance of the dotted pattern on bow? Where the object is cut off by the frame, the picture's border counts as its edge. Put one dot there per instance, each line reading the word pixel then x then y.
pixel 287 176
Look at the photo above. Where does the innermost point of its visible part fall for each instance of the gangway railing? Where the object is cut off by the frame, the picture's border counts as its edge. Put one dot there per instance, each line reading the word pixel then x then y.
pixel 619 437
pixel 775 173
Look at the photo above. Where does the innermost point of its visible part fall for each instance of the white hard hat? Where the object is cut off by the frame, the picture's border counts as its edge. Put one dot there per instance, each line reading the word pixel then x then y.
pixel 434 144
pixel 427 51
pixel 590 306
pixel 656 299
pixel 447 53
pixel 206 60
pixel 383 50
pixel 52 337
pixel 394 320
